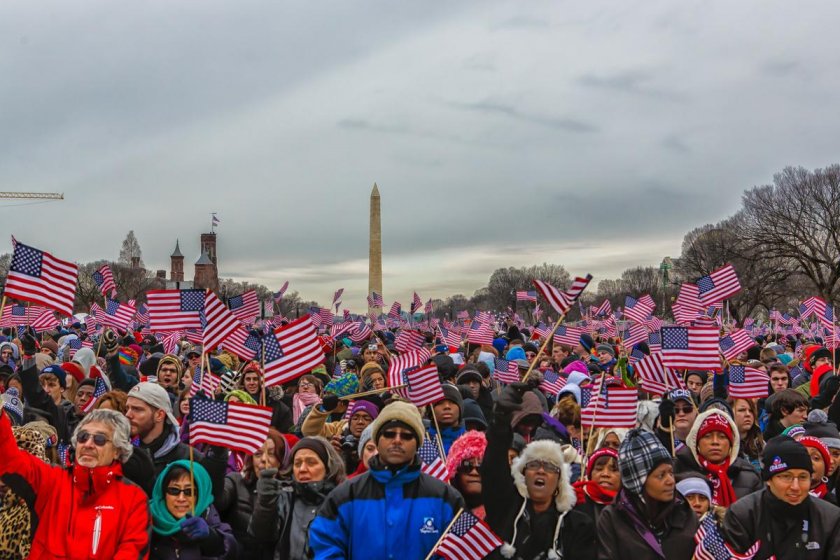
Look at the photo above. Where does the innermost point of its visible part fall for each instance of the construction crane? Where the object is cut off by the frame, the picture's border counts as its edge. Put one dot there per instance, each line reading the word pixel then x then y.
pixel 32 195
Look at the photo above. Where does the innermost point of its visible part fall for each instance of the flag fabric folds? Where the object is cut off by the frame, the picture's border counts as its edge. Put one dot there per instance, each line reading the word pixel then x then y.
pixel 560 300
pixel 734 343
pixel 469 539
pixel 718 286
pixel 246 307
pixel 170 310
pixel 237 426
pixel 291 351
pixel 38 277
pixel 748 383
pixel 104 280
pixel 694 347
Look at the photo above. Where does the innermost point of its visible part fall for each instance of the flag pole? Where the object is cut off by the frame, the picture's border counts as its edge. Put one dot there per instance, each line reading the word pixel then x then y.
pixel 437 436
pixel 548 337
pixel 262 369
pixel 2 305
pixel 371 392
pixel 592 427
pixel 192 481
pixel 442 535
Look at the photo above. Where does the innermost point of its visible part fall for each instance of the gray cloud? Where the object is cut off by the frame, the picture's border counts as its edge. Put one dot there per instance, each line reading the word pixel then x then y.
pixel 505 110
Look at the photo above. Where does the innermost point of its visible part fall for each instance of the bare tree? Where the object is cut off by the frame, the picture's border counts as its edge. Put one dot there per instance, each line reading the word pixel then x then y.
pixel 130 253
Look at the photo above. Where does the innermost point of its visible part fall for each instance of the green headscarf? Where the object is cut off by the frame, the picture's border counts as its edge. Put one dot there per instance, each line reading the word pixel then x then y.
pixel 242 396
pixel 163 522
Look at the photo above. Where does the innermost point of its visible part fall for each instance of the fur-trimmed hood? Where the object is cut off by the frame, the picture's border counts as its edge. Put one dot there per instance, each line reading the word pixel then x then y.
pixel 545 450
pixel 691 440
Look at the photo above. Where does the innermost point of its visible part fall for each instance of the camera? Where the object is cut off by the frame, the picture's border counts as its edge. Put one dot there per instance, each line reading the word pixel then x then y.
pixel 349 443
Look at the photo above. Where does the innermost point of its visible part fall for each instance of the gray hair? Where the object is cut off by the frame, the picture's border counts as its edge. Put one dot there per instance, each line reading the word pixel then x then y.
pixel 117 422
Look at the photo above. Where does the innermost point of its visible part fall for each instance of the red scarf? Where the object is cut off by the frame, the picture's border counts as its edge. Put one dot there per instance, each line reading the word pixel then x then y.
pixel 595 492
pixel 723 493
pixel 820 490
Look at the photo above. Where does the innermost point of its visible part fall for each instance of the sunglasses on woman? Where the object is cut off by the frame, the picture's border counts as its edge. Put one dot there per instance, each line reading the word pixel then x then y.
pixel 175 491
pixel 466 467
pixel 99 440
pixel 545 465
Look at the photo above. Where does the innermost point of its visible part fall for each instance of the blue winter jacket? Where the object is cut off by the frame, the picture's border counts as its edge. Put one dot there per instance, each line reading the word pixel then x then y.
pixel 384 515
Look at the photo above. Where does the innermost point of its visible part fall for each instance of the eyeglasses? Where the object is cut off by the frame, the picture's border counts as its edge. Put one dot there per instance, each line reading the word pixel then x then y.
pixel 404 436
pixel 99 440
pixel 175 491
pixel 683 409
pixel 544 465
pixel 305 385
pixel 787 478
pixel 467 467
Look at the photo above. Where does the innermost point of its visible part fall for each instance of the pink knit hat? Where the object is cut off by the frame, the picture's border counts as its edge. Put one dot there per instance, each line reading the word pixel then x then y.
pixel 471 445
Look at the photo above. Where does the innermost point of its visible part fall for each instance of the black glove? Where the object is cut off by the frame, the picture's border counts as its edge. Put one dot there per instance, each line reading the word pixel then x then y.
pixel 511 398
pixel 667 412
pixel 267 485
pixel 109 338
pixel 29 344
pixel 329 402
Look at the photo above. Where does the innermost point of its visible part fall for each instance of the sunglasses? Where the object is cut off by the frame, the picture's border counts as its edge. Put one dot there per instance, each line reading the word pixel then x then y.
pixel 683 409
pixel 175 491
pixel 404 436
pixel 99 440
pixel 545 465
pixel 467 467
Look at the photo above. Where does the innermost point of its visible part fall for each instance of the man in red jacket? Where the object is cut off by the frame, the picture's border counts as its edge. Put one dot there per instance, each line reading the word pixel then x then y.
pixel 88 510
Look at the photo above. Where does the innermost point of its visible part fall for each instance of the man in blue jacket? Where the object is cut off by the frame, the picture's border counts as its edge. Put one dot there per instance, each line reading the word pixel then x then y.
pixel 393 511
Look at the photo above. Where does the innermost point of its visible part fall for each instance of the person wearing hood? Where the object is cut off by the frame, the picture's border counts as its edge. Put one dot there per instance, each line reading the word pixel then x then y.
pixel 392 511
pixel 601 485
pixel 678 409
pixel 786 520
pixel 7 354
pixel 447 413
pixel 649 519
pixel 236 501
pixel 282 519
pixel 712 449
pixel 282 416
pixel 88 509
pixel 474 386
pixel 530 504
pixel 463 469
pixel 185 525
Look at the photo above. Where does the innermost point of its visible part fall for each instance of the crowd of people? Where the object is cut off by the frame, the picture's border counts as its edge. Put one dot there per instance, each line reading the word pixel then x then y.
pixel 340 475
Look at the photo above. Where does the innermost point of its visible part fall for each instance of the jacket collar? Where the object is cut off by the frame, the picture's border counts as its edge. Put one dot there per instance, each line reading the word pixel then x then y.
pixel 96 480
pixel 403 475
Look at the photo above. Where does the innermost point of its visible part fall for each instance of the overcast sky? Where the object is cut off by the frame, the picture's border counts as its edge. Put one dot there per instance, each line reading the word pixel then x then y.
pixel 594 135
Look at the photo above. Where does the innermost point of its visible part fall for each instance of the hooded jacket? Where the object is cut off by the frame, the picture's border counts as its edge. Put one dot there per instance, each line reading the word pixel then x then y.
pixel 762 516
pixel 559 532
pixel 745 479
pixel 83 513
pixel 384 513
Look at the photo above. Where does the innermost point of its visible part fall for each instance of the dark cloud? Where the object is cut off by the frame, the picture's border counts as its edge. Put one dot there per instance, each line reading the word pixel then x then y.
pixel 630 81
pixel 558 123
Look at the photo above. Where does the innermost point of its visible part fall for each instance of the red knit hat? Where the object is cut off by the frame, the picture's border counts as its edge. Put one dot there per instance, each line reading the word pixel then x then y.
pixel 816 377
pixel 715 423
pixel 810 441
pixel 75 370
pixel 603 452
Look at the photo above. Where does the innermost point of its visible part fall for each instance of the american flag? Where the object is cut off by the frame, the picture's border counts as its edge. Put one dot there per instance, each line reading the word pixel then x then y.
pixel 654 324
pixel 655 341
pixel 427 309
pixel 562 301
pixel 245 344
pixel 712 546
pixel 811 306
pixel 361 332
pixel 408 340
pixel 396 310
pixel 479 333
pixel 116 314
pixel 196 382
pixel 748 383
pixel 104 280
pixel 375 300
pixel 694 347
pixel 506 371
pixel 610 407
pixel 552 383
pixel 469 539
pixel 734 343
pixel 337 296
pixel 237 426
pixel 77 344
pixel 463 315
pixel 604 309
pixel 638 309
pixel 245 307
pixel 339 330
pixel 416 303
pixel 291 351
pixel 142 315
pixel 569 336
pixel 719 285
pixel 99 389
pixel 219 322
pixel 537 311
pixel 424 385
pixel 633 335
pixel 655 377
pixel 431 462
pixel 398 366
pixel 16 315
pixel 529 295
pixel 827 316
pixel 171 310
pixel 450 337
pixel 687 305
pixel 170 341
pixel 278 295
pixel 39 277
pixel 45 321
pixel 321 316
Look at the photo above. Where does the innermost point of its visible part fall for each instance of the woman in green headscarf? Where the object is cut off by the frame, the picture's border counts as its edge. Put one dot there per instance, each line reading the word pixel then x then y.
pixel 185 524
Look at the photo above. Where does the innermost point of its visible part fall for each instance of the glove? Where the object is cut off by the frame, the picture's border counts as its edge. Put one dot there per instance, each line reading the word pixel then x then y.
pixel 267 485
pixel 329 402
pixel 109 338
pixel 29 344
pixel 667 412
pixel 511 398
pixel 195 528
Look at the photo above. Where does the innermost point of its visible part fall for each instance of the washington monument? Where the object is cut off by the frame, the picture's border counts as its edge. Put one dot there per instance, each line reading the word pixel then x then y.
pixel 375 254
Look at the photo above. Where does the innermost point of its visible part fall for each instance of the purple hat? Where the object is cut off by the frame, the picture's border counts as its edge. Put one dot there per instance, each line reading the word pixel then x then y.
pixel 366 406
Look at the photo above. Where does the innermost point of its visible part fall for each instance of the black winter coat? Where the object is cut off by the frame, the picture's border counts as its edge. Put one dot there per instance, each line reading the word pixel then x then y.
pixel 779 526
pixel 745 480
pixel 236 505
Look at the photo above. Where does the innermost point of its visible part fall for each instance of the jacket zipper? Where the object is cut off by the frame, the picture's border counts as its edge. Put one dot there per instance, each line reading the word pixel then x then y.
pixel 97 531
